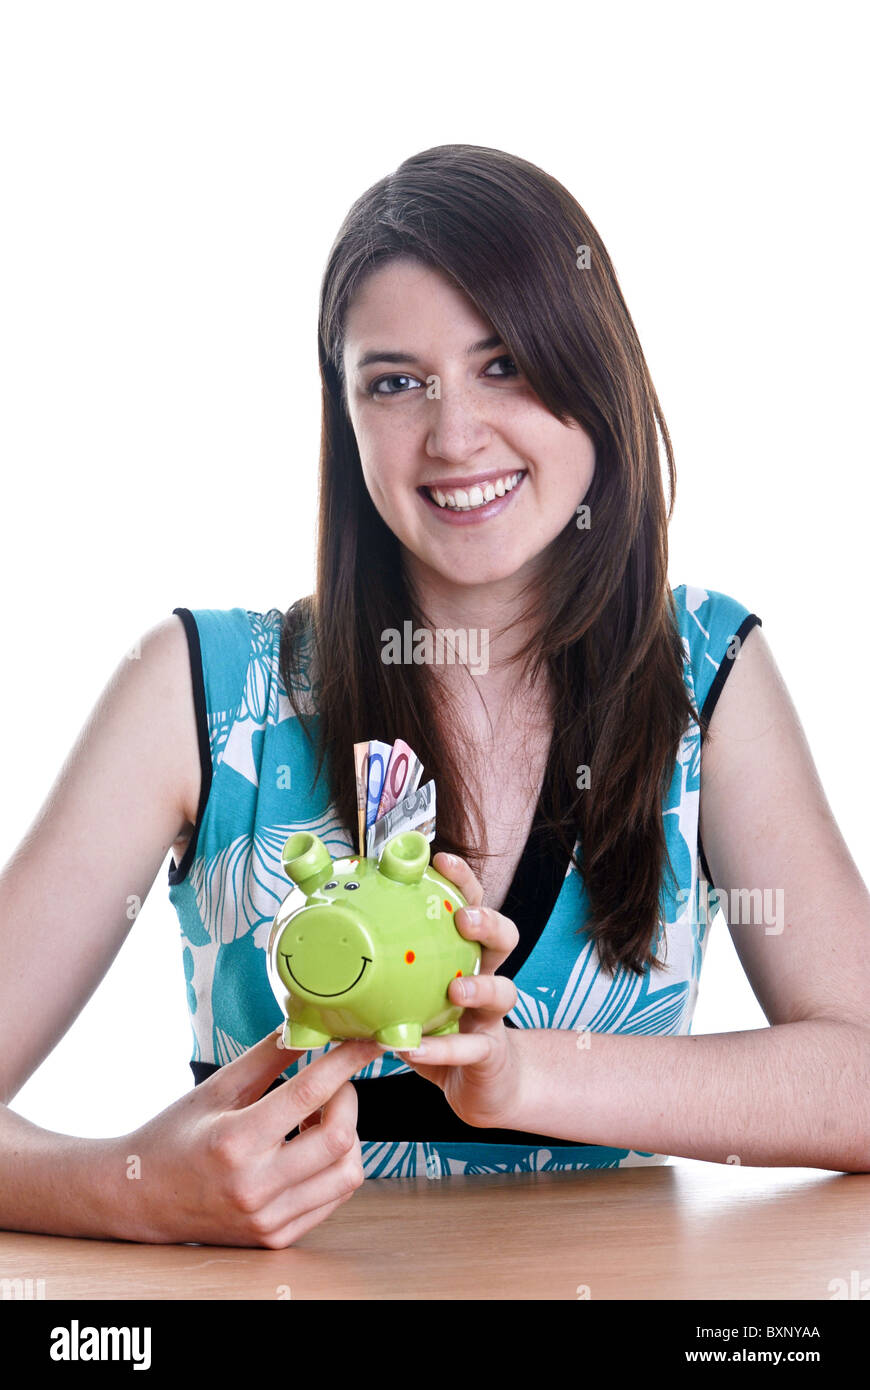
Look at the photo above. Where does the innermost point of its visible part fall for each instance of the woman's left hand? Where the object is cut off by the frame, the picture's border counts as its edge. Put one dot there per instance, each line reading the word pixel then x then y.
pixel 476 1068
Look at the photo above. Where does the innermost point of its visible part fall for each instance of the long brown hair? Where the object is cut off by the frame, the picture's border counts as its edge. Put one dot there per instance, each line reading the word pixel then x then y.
pixel 509 236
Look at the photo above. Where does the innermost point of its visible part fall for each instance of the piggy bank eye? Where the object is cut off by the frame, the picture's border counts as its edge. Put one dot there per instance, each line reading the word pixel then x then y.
pixel 351 884
pixel 333 883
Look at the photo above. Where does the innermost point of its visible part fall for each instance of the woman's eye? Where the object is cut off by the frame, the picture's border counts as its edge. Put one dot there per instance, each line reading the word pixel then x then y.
pixel 375 388
pixel 374 391
pixel 510 360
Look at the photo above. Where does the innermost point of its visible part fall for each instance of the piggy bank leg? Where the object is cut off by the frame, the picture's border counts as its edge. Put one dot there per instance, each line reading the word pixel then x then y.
pixel 298 1035
pixel 448 1028
pixel 400 1035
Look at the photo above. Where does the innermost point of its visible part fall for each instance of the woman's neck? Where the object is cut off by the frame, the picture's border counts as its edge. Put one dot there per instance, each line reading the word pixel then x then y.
pixel 484 636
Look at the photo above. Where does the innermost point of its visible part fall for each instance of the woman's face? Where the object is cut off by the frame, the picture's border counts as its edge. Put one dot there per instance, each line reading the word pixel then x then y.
pixel 435 399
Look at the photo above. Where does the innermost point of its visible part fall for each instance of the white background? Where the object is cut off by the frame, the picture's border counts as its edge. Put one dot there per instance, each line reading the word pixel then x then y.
pixel 173 175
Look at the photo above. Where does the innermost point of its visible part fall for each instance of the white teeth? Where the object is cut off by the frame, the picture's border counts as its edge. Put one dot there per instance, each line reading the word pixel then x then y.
pixel 463 501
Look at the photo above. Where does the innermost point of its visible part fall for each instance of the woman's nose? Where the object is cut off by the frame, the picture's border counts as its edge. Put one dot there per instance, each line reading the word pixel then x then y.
pixel 458 427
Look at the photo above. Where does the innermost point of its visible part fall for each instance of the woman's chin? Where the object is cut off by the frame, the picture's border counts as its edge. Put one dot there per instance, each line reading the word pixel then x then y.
pixel 466 573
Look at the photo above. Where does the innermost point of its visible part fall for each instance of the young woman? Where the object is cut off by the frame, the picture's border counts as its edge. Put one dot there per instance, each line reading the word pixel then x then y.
pixel 490 466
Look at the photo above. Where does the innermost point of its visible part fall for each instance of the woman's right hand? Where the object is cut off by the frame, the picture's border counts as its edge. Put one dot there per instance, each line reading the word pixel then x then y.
pixel 215 1167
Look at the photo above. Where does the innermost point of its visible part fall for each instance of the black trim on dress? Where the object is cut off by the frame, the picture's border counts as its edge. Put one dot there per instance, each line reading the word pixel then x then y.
pixel 749 622
pixel 178 872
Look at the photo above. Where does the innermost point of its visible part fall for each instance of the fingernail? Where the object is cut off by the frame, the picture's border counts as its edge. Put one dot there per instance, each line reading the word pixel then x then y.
pixel 472 916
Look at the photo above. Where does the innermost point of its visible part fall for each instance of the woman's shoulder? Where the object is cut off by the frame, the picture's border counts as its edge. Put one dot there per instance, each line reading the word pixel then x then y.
pixel 713 626
pixel 251 655
pixel 228 625
pixel 236 662
pixel 225 642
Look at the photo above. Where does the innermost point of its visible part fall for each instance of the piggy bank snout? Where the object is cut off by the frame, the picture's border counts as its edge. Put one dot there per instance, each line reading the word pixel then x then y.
pixel 324 953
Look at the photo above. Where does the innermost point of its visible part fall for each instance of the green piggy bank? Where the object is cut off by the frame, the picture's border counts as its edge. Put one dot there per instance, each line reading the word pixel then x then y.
pixel 363 948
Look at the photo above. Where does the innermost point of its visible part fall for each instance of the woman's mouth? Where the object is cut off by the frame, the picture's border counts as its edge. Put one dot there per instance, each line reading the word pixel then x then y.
pixel 476 503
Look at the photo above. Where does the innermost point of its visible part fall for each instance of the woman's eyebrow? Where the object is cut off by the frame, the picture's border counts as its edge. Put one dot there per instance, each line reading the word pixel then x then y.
pixel 381 355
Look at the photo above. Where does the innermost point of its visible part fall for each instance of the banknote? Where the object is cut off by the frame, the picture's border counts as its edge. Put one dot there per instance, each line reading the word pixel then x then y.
pixel 389 797
pixel 361 769
pixel 376 777
pixel 416 811
pixel 403 776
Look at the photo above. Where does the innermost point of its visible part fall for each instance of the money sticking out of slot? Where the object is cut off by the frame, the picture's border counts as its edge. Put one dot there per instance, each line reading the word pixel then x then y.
pixel 389 797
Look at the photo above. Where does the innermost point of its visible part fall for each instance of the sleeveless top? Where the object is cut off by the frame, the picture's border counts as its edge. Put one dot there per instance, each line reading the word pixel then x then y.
pixel 257 775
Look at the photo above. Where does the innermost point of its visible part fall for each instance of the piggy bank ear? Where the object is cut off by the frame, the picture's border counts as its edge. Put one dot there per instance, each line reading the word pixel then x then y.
pixel 305 859
pixel 405 857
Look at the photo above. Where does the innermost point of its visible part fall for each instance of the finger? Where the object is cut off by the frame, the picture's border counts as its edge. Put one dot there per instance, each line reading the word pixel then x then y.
pixel 297 1227
pixel 311 1170
pixel 310 1088
pixel 316 1148
pixel 335 1134
pixel 488 994
pixel 242 1081
pixel 300 1205
pixel 453 1050
pixel 497 934
pixel 457 872
pixel 287 1167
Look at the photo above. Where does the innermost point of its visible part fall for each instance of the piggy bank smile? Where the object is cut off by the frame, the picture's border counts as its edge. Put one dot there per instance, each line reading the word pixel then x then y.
pixel 326 954
pixel 322 993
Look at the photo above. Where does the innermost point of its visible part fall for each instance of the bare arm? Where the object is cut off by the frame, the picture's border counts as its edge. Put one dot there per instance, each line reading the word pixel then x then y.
pixel 215 1167
pixel 792 1095
pixel 123 796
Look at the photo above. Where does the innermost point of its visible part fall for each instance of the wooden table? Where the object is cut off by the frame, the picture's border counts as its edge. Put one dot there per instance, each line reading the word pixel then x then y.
pixel 685 1230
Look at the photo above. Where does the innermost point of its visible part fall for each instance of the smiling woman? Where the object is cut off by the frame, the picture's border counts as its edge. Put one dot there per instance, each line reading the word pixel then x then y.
pixel 483 390
pixel 479 387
